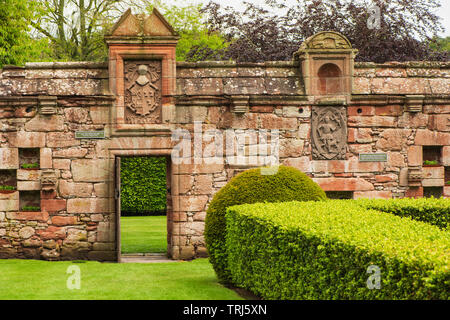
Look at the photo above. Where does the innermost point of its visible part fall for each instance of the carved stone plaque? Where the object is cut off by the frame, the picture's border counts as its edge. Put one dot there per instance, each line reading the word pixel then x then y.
pixel 328 133
pixel 142 91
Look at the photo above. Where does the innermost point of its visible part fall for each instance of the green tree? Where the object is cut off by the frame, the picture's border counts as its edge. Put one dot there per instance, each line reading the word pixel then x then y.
pixel 196 42
pixel 440 44
pixel 75 28
pixel 16 43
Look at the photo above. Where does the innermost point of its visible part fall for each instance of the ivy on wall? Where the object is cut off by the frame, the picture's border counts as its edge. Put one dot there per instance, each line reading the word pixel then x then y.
pixel 143 186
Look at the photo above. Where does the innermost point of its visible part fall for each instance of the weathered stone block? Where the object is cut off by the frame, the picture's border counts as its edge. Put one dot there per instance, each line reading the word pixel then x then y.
pixel 446 155
pixel 432 182
pixel 46 158
pixel 393 139
pixel 75 235
pixel 75 152
pixel 203 184
pixel 91 170
pixel 26 232
pixel 415 156
pixel 76 115
pixel 74 189
pixel 62 140
pixel 28 185
pixel 53 205
pixel 425 137
pixel 372 194
pixel 433 172
pixel 446 191
pixel 9 158
pixel 28 175
pixel 101 190
pixel 88 205
pixel 106 232
pixel 64 220
pixel 396 159
pixel 22 139
pixel 344 184
pixel 189 203
pixel 104 246
pixel 62 164
pixel 99 115
pixel 28 216
pixel 45 123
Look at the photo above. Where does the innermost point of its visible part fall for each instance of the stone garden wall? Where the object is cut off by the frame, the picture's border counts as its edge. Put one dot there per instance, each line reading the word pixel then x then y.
pixel 397 111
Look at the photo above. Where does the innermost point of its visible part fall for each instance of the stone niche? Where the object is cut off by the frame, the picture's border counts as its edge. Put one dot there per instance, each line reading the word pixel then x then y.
pixel 326 60
pixel 142 73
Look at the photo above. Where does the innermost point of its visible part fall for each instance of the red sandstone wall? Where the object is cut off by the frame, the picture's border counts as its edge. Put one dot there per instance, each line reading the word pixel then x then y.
pixel 77 220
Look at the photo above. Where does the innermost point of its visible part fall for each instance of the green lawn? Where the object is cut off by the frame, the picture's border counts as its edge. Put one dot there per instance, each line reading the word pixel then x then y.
pixel 34 279
pixel 143 234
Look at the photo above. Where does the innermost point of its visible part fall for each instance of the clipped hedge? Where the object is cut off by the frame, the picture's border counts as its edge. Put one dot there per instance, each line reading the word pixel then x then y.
pixel 251 186
pixel 143 185
pixel 430 210
pixel 322 250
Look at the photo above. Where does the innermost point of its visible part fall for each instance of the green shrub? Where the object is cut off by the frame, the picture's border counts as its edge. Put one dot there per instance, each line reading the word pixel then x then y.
pixel 322 250
pixel 249 187
pixel 143 185
pixel 30 165
pixel 430 210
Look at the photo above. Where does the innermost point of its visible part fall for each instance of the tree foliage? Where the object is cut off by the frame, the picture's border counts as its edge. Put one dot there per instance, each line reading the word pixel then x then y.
pixel 75 28
pixel 405 32
pixel 196 42
pixel 16 43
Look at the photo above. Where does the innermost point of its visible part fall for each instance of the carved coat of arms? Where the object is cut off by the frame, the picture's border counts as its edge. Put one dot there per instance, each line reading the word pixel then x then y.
pixel 143 92
pixel 329 133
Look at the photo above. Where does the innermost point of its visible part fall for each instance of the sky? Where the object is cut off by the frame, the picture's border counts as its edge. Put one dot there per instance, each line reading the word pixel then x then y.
pixel 443 13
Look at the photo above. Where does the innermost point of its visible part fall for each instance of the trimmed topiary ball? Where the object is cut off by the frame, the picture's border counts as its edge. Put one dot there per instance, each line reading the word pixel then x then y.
pixel 250 186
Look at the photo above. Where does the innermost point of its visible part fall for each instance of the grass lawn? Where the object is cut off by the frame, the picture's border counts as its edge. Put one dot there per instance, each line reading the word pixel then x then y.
pixel 34 279
pixel 143 234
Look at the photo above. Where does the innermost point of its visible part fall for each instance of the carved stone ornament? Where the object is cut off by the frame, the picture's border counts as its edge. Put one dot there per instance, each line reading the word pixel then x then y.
pixel 143 91
pixel 326 40
pixel 48 180
pixel 328 133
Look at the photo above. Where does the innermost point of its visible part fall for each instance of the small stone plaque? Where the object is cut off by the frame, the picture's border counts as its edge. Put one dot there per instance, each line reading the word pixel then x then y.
pixel 373 157
pixel 90 135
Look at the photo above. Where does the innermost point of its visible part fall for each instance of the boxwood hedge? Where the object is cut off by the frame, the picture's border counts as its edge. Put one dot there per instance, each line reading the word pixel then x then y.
pixel 322 250
pixel 430 210
pixel 143 185
pixel 250 186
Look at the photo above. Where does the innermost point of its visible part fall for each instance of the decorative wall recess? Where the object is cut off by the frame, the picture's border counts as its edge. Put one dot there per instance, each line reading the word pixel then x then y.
pixel 328 133
pixel 30 200
pixel 8 180
pixel 47 105
pixel 414 103
pixel 327 60
pixel 240 104
pixel 339 194
pixel 49 180
pixel 432 155
pixel 29 158
pixel 435 192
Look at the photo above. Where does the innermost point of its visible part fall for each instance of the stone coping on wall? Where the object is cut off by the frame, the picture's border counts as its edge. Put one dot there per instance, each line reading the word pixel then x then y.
pixel 221 78
pixel 222 64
